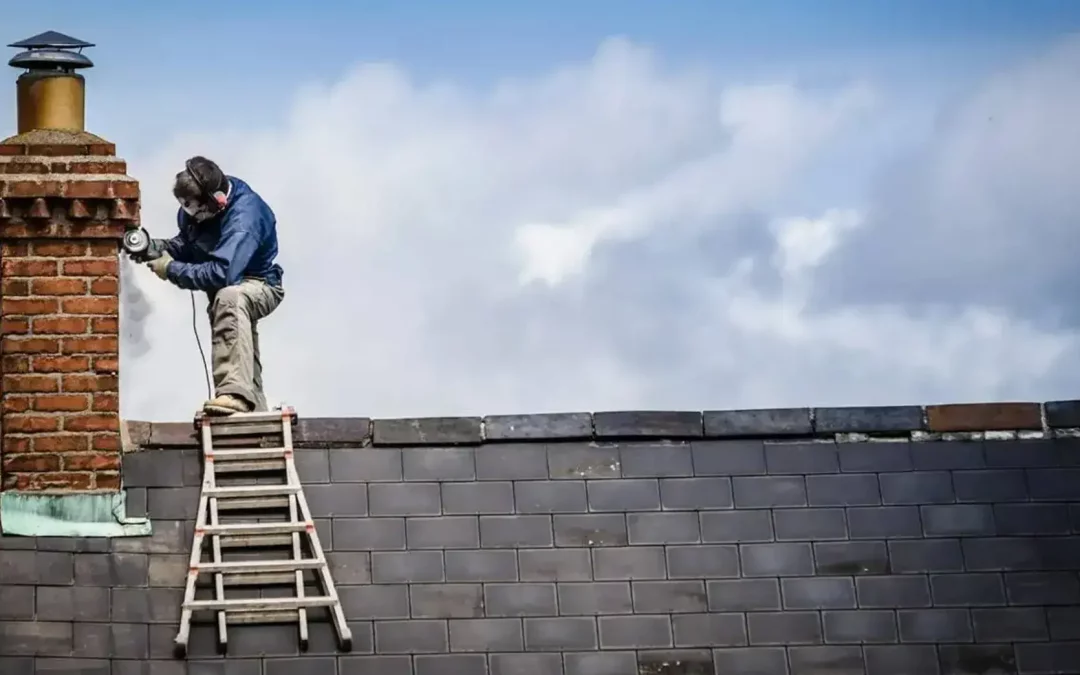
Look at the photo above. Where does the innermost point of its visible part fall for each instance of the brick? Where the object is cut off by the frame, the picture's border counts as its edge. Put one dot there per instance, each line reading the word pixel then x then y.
pixel 749 526
pixel 873 626
pixel 763 660
pixel 99 344
pixel 105 325
pixel 17 267
pixel 753 423
pixel 988 658
pixel 647 424
pixel 594 529
pixel 366 534
pixel 354 465
pixel 947 455
pixel 406 566
pixel 632 494
pixel 884 522
pixel 586 663
pixel 663 528
pixel 1014 624
pixel 14 326
pixel 708 630
pixel 1022 454
pixel 1042 588
pixel 489 497
pixel 918 487
pixel 1031 519
pixel 772 560
pixel 442 532
pixel 843 490
pixel 91 267
pixel 520 600
pixel 700 562
pixel 511 461
pixel 743 595
pixel 31 384
pixel 60 325
pixel 481 566
pixel 561 634
pixel 632 563
pixel 801 458
pixel 818 593
pixel 438 464
pixel 892 592
pixel 900 659
pixel 538 427
pixel 875 457
pixel 634 632
pixel 15 287
pixel 826 659
pixel 61 403
pixel 335 432
pixel 60 249
pixel 404 499
pixel 517 664
pixel 375 601
pixel 343 500
pixel 1058 484
pixel 104 286
pixel 57 286
pixel 1062 414
pixel 91 305
pixel 957 520
pixel 656 460
pixel 696 493
pixel 18 638
pixel 728 458
pixel 60 364
pixel 984 417
pixel 427 431
pixel 411 637
pixel 28 424
pixel 93 462
pixel 445 601
pixel 967 590
pixel 870 419
pixel 92 422
pixel 66 603
pixel 989 486
pixel 784 628
pixel 30 345
pixel 550 496
pixel 1047 658
pixel 758 492
pixel 516 531
pixel 809 524
pixel 669 597
pixel 583 461
pixel 30 463
pixel 29 306
pixel 590 599
pixel 925 556
pixel 16 603
pixel 935 625
pixel 486 635
pixel 566 564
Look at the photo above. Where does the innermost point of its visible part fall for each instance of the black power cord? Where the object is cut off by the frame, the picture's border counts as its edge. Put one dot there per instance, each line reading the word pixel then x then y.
pixel 195 329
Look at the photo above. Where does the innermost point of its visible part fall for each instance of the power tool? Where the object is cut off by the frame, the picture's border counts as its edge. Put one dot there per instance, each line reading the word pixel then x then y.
pixel 139 245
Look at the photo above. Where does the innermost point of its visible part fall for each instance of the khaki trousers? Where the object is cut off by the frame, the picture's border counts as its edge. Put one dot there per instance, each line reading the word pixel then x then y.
pixel 235 312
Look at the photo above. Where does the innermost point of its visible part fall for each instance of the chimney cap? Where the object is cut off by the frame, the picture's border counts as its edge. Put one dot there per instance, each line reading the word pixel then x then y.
pixel 51 39
pixel 51 51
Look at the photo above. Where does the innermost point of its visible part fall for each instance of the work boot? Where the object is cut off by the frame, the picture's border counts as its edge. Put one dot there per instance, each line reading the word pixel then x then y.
pixel 226 404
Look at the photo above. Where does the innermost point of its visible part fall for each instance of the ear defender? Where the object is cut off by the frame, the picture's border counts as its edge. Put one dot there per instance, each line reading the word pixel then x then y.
pixel 220 199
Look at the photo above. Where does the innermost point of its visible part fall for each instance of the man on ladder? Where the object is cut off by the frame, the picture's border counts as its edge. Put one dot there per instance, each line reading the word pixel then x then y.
pixel 226 247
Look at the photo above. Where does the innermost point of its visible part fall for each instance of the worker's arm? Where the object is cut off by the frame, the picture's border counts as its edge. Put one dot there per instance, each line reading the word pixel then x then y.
pixel 228 260
pixel 178 247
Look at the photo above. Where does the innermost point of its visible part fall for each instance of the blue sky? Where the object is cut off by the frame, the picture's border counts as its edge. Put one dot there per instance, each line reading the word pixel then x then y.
pixel 514 207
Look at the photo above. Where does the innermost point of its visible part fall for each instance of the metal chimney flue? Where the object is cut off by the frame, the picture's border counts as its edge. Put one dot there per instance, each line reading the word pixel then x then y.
pixel 50 94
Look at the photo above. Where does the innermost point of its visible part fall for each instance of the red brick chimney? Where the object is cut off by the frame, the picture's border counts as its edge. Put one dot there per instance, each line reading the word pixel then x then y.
pixel 65 202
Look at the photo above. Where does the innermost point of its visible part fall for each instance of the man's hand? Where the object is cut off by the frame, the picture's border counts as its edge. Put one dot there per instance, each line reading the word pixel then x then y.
pixel 160 265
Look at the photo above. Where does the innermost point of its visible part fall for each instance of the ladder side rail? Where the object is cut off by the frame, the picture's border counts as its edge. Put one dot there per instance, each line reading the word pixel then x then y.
pixel 184 632
pixel 215 544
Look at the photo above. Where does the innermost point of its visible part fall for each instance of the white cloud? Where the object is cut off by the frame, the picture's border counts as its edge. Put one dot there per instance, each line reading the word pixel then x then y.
pixel 576 241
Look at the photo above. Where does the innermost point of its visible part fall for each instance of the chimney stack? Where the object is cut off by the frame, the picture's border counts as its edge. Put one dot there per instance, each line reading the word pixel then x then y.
pixel 65 202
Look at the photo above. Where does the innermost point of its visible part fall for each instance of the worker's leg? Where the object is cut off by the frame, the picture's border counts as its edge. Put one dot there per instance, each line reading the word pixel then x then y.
pixel 257 381
pixel 233 313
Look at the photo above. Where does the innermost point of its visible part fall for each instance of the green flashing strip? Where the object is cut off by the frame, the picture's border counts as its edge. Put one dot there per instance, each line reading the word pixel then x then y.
pixel 90 514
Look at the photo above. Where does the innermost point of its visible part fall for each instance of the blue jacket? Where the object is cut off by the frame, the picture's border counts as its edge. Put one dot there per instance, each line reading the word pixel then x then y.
pixel 238 242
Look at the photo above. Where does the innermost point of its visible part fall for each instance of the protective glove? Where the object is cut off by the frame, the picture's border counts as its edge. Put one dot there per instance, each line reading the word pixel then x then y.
pixel 160 265
pixel 153 251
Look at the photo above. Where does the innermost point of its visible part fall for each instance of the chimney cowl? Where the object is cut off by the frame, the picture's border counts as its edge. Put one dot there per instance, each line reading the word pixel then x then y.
pixel 51 51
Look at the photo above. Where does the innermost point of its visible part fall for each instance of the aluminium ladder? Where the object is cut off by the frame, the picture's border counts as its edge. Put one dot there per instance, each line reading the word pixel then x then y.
pixel 241 512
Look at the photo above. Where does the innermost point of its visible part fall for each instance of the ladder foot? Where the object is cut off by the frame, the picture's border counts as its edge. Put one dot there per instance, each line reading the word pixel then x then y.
pixel 180 650
pixel 346 644
pixel 304 645
pixel 223 648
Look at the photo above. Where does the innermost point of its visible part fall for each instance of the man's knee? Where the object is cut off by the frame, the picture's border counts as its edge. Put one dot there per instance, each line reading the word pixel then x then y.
pixel 228 300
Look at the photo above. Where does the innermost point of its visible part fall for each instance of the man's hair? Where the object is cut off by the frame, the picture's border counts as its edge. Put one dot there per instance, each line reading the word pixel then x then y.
pixel 208 173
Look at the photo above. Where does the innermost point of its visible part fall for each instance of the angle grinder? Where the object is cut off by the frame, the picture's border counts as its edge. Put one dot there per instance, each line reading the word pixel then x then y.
pixel 139 245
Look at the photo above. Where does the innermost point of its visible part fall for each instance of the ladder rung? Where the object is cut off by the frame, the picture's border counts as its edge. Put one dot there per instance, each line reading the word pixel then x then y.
pixel 249 418
pixel 257 541
pixel 229 454
pixel 251 491
pixel 235 529
pixel 261 604
pixel 248 467
pixel 246 617
pixel 249 429
pixel 260 566
pixel 253 503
